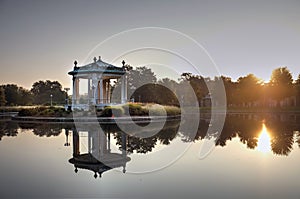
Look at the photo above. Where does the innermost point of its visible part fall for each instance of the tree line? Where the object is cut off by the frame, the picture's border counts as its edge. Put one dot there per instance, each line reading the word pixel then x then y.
pixel 280 91
pixel 246 91
pixel 41 93
pixel 143 86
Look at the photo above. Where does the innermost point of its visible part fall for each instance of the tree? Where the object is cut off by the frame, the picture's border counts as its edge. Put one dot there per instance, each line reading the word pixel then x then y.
pixel 170 92
pixel 281 76
pixel 198 83
pixel 139 77
pixel 298 80
pixel 15 95
pixel 42 90
pixel 11 94
pixel 143 87
pixel 26 97
pixel 246 84
pixel 169 83
pixel 297 88
pixel 281 83
pixel 136 78
pixel 2 97
pixel 230 89
pixel 155 93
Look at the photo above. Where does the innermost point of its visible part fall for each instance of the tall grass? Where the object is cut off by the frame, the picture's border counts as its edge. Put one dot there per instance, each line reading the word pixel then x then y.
pixel 135 109
pixel 44 112
pixel 112 111
pixel 138 109
pixel 130 109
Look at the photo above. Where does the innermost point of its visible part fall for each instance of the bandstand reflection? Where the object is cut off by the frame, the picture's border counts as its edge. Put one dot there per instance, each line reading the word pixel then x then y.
pixel 98 158
pixel 109 147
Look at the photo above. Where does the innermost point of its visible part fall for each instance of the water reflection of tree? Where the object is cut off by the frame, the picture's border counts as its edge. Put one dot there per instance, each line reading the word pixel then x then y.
pixel 169 132
pixel 145 145
pixel 298 139
pixel 190 123
pixel 229 131
pixel 8 128
pixel 282 137
pixel 248 131
pixel 245 128
pixel 44 129
pixel 282 144
pixel 140 145
pixel 248 126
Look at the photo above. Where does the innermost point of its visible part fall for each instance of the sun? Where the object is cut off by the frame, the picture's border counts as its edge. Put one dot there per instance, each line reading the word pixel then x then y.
pixel 264 140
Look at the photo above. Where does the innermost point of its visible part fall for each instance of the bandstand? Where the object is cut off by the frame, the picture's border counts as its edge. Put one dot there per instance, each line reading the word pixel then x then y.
pixel 98 75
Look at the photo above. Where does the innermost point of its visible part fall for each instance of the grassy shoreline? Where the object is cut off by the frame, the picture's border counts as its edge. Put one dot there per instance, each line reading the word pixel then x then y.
pixel 254 109
pixel 130 109
pixel 134 110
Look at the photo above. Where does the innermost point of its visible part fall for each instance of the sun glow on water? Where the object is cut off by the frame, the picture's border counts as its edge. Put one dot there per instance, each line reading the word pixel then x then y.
pixel 264 140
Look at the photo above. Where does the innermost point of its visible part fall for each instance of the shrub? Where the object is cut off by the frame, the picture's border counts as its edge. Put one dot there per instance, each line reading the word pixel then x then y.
pixel 10 109
pixel 158 110
pixel 135 110
pixel 44 112
pixel 172 110
pixel 110 111
pixel 27 112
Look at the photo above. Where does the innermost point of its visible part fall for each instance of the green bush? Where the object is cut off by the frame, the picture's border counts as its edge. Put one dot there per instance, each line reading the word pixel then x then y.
pixel 158 110
pixel 27 112
pixel 172 110
pixel 110 111
pixel 44 112
pixel 135 110
pixel 10 109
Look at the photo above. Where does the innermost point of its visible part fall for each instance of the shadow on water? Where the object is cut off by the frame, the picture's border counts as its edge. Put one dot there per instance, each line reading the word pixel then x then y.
pixel 283 130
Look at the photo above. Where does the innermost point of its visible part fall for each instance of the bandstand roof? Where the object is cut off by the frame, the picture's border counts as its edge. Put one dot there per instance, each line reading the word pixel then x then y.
pixel 98 66
pixel 89 162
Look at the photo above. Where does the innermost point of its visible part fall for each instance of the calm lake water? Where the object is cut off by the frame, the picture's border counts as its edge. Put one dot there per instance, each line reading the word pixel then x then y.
pixel 255 156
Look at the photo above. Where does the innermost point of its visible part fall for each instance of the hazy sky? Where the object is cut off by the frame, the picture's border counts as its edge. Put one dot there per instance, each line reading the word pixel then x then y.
pixel 41 39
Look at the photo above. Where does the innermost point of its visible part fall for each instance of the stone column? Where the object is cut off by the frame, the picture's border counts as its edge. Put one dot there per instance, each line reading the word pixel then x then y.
pixel 124 150
pixel 74 92
pixel 108 142
pixel 95 144
pixel 89 90
pixel 105 91
pixel 108 91
pixel 123 89
pixel 124 144
pixel 77 90
pixel 76 151
pixel 95 89
pixel 103 143
pixel 101 91
pixel 89 143
pixel 98 93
